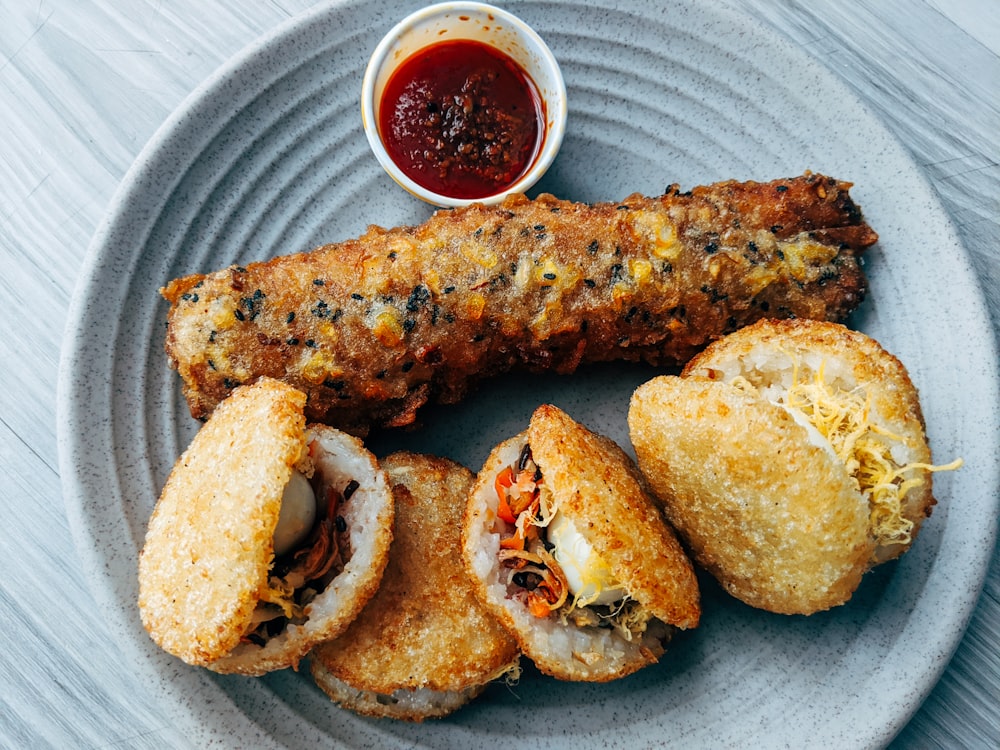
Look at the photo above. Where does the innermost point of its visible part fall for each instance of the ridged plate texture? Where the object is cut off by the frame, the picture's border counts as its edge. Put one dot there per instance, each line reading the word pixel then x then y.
pixel 268 157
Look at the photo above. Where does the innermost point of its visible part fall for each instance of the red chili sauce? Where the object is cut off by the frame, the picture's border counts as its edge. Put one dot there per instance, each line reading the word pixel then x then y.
pixel 462 119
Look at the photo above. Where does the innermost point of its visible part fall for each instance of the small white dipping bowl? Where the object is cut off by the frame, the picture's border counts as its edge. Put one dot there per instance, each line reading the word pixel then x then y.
pixel 483 23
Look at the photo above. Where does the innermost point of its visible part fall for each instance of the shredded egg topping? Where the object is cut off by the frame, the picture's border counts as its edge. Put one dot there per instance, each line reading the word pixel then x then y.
pixel 843 418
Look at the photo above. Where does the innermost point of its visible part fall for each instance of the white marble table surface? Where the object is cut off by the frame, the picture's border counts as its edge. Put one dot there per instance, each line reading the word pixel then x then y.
pixel 85 83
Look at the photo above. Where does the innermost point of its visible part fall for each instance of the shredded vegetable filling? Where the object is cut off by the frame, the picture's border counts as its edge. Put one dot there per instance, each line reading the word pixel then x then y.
pixel 299 577
pixel 525 511
pixel 843 418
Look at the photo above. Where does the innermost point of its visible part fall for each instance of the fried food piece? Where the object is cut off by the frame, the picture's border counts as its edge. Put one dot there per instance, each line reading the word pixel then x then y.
pixel 424 645
pixel 213 589
pixel 568 550
pixel 373 328
pixel 791 458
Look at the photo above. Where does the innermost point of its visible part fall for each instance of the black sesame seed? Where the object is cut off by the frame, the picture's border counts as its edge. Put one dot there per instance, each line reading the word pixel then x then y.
pixel 350 489
pixel 418 297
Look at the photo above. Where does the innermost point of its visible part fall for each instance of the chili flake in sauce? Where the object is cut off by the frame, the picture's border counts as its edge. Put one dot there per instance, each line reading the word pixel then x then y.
pixel 461 118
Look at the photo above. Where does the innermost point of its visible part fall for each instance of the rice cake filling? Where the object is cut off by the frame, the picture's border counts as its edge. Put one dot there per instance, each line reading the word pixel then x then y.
pixel 548 566
pixel 306 561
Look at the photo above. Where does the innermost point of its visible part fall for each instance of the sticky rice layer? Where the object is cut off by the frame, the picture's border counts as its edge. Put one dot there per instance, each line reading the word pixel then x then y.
pixel 407 704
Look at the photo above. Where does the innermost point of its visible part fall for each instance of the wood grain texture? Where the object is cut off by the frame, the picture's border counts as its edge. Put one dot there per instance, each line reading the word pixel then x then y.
pixel 85 83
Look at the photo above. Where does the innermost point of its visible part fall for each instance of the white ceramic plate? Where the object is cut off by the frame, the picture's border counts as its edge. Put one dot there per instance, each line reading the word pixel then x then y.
pixel 268 157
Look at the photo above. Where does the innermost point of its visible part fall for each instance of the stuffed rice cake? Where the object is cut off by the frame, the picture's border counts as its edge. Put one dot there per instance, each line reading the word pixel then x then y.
pixel 570 553
pixel 268 536
pixel 791 457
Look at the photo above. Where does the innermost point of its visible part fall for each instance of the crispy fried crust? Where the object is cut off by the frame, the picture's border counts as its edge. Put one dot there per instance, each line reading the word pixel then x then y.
pixel 373 328
pixel 424 644
pixel 595 482
pixel 209 541
pixel 774 516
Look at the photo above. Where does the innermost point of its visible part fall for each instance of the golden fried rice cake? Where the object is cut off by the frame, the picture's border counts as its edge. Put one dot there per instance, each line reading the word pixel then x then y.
pixel 571 554
pixel 423 646
pixel 213 589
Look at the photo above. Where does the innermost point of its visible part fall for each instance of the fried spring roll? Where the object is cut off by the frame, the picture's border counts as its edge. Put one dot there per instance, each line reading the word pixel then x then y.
pixel 373 328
